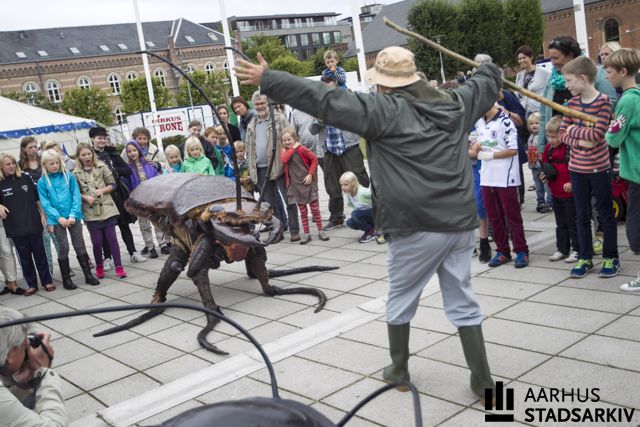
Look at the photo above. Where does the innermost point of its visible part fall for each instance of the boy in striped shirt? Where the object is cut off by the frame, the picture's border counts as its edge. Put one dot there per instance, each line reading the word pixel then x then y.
pixel 589 166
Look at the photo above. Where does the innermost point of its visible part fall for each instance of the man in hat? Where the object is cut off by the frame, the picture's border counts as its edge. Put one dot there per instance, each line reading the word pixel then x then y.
pixel 422 185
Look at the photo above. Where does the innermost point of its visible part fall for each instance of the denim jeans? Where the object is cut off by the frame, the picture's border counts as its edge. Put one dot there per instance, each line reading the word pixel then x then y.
pixel 541 188
pixel 361 219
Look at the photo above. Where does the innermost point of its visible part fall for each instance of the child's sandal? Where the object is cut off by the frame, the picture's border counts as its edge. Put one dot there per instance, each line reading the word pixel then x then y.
pixel 50 287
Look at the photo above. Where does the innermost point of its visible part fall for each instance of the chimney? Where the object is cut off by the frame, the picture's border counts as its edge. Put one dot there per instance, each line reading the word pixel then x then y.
pixel 22 35
pixel 61 34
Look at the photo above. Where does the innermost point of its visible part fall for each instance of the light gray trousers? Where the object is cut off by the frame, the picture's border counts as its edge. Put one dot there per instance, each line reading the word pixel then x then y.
pixel 414 258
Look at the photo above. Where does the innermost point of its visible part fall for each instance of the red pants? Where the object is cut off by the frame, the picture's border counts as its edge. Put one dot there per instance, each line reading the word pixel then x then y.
pixel 503 208
pixel 315 212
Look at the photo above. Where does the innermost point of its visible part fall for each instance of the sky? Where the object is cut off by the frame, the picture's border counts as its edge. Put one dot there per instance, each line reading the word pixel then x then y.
pixel 31 14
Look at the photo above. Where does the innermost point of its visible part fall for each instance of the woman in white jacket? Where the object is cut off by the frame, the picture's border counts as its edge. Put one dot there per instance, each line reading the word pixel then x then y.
pixel 532 77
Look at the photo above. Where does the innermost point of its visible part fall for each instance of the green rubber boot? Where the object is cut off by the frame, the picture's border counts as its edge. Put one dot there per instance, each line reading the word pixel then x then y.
pixel 399 351
pixel 476 357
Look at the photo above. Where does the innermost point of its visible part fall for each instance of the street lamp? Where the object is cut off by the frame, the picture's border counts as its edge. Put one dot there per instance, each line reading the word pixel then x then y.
pixel 438 38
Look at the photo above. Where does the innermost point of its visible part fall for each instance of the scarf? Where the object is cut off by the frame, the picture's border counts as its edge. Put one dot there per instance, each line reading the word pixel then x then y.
pixel 557 79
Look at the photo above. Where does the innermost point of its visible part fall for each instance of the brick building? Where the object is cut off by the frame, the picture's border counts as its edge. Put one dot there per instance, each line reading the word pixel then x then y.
pixel 53 60
pixel 607 20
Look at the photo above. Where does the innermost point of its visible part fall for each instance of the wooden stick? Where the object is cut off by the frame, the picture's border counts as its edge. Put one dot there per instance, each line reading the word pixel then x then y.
pixel 541 99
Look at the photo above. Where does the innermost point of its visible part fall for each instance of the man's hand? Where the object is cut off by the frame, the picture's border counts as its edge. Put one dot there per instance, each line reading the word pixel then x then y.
pixel 37 359
pixel 250 73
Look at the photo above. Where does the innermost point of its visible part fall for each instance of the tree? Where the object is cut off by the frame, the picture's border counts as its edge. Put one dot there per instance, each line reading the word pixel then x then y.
pixel 484 25
pixel 212 84
pixel 292 65
pixel 269 46
pixel 88 103
pixel 135 97
pixel 37 100
pixel 432 18
pixel 525 18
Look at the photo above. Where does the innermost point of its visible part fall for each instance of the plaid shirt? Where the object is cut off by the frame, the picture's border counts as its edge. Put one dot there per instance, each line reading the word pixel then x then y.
pixel 335 141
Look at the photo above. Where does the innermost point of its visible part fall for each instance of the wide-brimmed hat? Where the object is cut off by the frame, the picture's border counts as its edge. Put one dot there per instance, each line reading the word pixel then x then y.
pixel 394 67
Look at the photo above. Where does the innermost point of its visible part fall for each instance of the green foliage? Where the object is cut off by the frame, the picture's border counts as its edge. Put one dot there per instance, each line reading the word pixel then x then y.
pixel 37 100
pixel 483 22
pixel 525 16
pixel 212 84
pixel 270 47
pixel 88 103
pixel 292 65
pixel 170 140
pixel 135 97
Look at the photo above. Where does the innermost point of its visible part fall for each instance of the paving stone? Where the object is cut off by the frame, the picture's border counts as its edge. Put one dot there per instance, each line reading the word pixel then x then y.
pixel 558 316
pixel 614 352
pixel 369 271
pixel 432 319
pixel 343 255
pixel 240 389
pixel 293 375
pixel 102 343
pixel 271 331
pixel 504 361
pixel 336 415
pixel 281 258
pixel 232 345
pixel 125 389
pixel 379 259
pixel 247 321
pixel 346 302
pixel 68 350
pixel 83 372
pixel 592 300
pixel 268 307
pixel 505 288
pixel 530 274
pixel 302 250
pixel 441 380
pixel 593 282
pixel 184 337
pixel 617 386
pixel 625 327
pixel 143 353
pixel 336 281
pixel 20 303
pixel 529 337
pixel 348 355
pixel 225 297
pixel 471 417
pixel 391 408
pixel 113 315
pixel 69 390
pixel 375 333
pixel 71 325
pixel 156 324
pixel 81 406
pixel 176 368
pixel 489 305
pixel 374 290
pixel 308 317
pixel 170 413
pixel 118 290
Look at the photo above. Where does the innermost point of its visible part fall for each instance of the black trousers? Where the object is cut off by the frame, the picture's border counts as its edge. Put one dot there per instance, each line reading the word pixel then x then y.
pixel 31 248
pixel 127 237
pixel 564 209
pixel 334 166
pixel 633 216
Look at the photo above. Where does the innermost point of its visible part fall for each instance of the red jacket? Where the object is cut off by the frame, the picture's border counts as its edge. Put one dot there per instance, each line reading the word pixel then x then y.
pixel 560 161
pixel 309 159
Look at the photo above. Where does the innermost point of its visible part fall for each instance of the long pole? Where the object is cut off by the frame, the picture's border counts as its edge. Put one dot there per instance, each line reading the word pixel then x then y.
pixel 227 42
pixel 438 39
pixel 147 73
pixel 581 26
pixel 357 35
pixel 541 99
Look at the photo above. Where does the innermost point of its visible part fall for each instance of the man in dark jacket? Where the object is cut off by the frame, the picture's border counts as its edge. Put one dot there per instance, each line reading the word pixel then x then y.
pixel 422 186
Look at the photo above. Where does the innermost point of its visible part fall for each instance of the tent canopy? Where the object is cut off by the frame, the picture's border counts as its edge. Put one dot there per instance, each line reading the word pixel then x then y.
pixel 19 119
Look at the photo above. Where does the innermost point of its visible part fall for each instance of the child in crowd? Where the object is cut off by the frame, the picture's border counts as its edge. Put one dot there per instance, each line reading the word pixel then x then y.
pixel 22 214
pixel 483 227
pixel 359 198
pixel 174 159
pixel 300 166
pixel 555 173
pixel 497 147
pixel 69 163
pixel 151 153
pixel 333 71
pixel 589 166
pixel 99 211
pixel 543 206
pixel 243 168
pixel 624 133
pixel 224 148
pixel 209 144
pixel 60 198
pixel 142 170
pixel 194 158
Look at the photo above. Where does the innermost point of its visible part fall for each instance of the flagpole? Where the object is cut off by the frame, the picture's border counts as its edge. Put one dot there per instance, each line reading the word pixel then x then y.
pixel 227 42
pixel 357 35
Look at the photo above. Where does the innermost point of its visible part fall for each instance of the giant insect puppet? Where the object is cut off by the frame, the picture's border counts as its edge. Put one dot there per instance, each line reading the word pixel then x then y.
pixel 209 224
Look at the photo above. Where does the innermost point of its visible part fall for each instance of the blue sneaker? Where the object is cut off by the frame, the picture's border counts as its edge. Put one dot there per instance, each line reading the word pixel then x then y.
pixel 581 268
pixel 522 260
pixel 610 267
pixel 499 259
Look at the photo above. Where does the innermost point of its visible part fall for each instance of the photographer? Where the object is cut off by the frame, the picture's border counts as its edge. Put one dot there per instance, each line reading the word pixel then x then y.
pixel 26 364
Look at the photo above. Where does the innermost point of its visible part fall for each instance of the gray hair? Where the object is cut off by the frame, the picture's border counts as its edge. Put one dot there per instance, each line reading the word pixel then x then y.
pixel 483 58
pixel 11 336
pixel 257 95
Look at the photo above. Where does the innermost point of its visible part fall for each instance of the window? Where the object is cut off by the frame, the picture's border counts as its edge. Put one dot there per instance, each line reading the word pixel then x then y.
pixel 212 36
pixel 309 22
pixel 329 20
pixel 161 75
pixel 74 50
pixel 304 39
pixel 611 30
pixel 189 68
pixel 326 38
pixel 43 53
pixel 84 82
pixel 53 91
pixel 114 81
pixel 21 55
pixel 123 46
pixel 315 37
pixel 31 89
pixel 285 23
pixel 225 66
pixel 131 75
pixel 104 48
pixel 291 40
pixel 210 68
pixel 189 39
pixel 337 37
pixel 297 22
pixel 119 115
pixel 150 44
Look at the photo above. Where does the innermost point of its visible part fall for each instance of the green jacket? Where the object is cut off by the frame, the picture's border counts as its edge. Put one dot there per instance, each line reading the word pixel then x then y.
pixel 201 165
pixel 421 178
pixel 624 133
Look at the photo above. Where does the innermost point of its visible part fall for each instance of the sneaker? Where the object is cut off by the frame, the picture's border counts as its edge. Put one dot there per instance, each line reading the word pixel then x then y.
pixel 136 257
pixel 632 286
pixel 522 260
pixel 367 236
pixel 164 250
pixel 475 251
pixel 322 235
pixel 582 267
pixel 107 264
pixel 295 237
pixel 597 245
pixel 543 208
pixel 573 257
pixel 499 259
pixel 485 252
pixel 610 267
pixel 266 227
pixel 557 256
pixel 99 272
pixel 153 253
pixel 120 272
pixel 145 251
pixel 531 188
pixel 333 224
pixel 380 239
pixel 306 238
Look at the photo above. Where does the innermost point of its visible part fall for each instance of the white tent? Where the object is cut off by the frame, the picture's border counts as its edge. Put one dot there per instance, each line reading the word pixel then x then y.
pixel 18 120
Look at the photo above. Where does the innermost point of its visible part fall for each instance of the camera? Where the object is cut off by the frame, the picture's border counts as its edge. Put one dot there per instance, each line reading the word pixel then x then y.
pixel 34 340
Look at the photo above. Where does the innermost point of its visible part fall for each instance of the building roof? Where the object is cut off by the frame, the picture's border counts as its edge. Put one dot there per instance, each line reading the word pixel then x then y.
pixel 286 15
pixel 550 6
pixel 78 42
